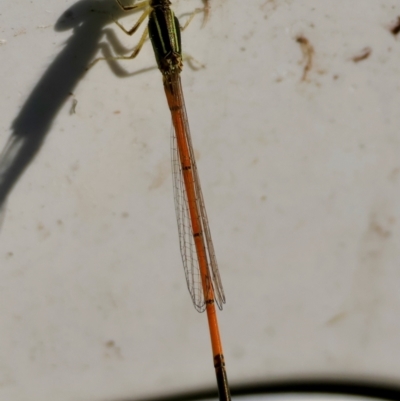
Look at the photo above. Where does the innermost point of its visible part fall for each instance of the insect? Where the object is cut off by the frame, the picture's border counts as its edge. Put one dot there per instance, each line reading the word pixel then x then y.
pixel 197 250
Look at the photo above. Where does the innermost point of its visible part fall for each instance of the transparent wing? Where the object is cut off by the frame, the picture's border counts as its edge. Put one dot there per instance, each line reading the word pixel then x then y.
pixel 212 260
pixel 186 241
pixel 188 249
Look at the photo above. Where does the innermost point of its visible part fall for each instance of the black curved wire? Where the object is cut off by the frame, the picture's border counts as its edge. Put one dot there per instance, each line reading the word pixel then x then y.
pixel 370 388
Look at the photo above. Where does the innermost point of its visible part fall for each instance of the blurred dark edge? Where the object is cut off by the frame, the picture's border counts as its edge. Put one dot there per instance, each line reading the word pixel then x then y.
pixel 372 388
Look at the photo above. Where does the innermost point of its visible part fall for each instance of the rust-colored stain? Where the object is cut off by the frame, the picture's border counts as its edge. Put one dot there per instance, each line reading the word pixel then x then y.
pixel 308 54
pixel 363 55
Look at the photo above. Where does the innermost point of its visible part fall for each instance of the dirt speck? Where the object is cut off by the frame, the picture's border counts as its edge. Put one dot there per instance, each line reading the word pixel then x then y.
pixel 162 174
pixel 336 318
pixel 20 32
pixel 75 166
pixel 395 28
pixel 394 174
pixel 363 55
pixel 308 55
pixel 112 350
pixel 74 103
pixel 379 230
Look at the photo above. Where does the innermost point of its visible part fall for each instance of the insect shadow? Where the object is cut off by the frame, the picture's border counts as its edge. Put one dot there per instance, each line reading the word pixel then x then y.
pixel 86 19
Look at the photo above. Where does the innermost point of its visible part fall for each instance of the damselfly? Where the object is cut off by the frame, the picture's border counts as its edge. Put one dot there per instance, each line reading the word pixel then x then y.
pixel 197 250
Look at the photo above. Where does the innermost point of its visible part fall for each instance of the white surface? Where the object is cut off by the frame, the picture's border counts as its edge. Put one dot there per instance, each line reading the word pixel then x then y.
pixel 301 182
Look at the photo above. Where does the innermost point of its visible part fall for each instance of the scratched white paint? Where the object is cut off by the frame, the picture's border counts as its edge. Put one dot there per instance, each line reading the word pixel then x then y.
pixel 301 180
